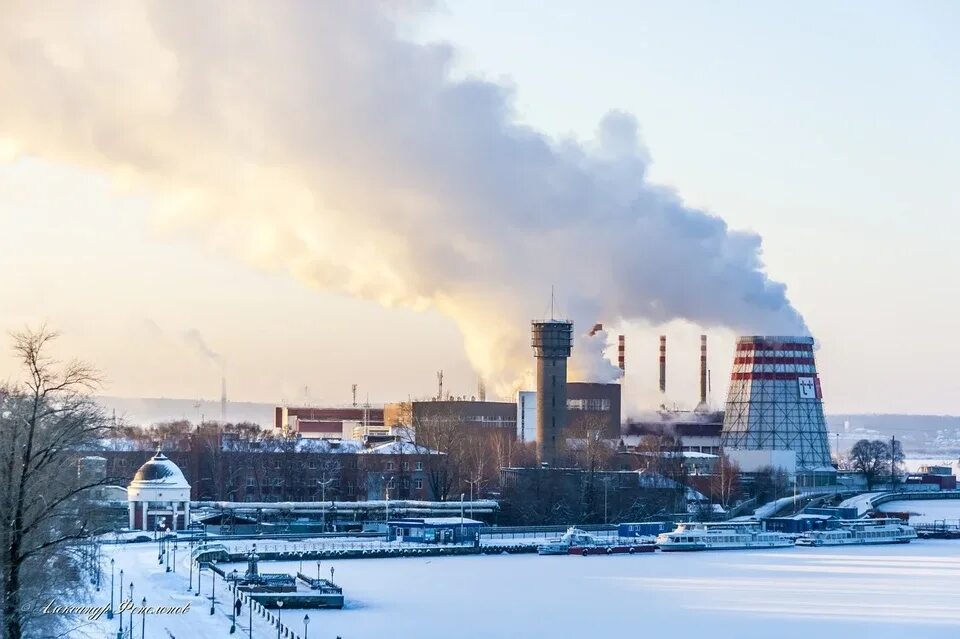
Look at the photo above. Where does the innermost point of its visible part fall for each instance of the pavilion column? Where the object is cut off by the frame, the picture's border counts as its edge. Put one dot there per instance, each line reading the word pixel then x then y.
pixel 143 521
pixel 173 506
pixel 131 508
pixel 186 514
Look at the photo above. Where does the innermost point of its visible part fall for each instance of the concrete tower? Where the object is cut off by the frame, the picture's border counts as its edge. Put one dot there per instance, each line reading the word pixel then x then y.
pixel 552 342
pixel 775 403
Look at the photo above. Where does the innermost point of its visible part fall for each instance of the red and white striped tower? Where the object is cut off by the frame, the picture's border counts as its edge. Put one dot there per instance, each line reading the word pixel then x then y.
pixel 775 401
pixel 622 353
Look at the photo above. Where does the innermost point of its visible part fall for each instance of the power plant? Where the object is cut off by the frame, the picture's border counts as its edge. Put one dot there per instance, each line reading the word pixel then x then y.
pixel 775 408
pixel 552 342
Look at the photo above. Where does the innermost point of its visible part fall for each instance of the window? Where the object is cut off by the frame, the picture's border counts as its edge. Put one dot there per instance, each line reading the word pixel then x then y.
pixel 251 482
pixel 418 484
pixel 406 465
pixel 419 466
pixel 350 489
pixel 389 465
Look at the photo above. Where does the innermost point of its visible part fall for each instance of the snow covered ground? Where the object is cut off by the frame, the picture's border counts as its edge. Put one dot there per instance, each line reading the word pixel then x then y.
pixel 926 511
pixel 880 591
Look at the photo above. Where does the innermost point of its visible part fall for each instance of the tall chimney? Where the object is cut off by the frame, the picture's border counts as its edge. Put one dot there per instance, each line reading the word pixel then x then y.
pixel 622 353
pixel 703 370
pixel 663 363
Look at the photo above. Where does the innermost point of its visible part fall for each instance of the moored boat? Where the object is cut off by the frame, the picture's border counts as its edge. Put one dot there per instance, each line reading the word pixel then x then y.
pixel 721 536
pixel 860 532
pixel 579 542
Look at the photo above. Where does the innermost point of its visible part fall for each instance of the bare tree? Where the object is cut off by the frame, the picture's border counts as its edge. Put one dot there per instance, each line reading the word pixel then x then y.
pixel 871 459
pixel 45 424
pixel 725 481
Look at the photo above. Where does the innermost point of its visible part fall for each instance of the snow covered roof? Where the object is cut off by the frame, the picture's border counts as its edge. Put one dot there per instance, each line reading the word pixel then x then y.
pixel 437 521
pixel 160 471
pixel 400 448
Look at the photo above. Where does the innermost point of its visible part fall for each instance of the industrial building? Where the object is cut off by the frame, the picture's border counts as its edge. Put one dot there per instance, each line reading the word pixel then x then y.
pixel 590 406
pixel 352 422
pixel 774 412
pixel 469 414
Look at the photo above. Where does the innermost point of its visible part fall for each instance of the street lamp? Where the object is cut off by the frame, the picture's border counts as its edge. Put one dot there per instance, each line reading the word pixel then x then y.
pixel 279 610
pixel 318 571
pixel 331 574
pixel 131 611
pixel 143 624
pixel 213 586
pixel 233 625
pixel 120 628
pixel 110 612
pixel 461 516
pixel 306 622
pixel 174 555
pixel 199 575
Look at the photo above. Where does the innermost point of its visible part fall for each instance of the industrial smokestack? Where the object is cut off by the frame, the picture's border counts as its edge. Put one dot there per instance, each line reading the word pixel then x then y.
pixel 223 398
pixel 703 370
pixel 663 363
pixel 622 353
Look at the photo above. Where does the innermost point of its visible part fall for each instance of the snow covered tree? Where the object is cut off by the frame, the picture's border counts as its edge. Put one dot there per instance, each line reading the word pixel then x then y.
pixel 46 422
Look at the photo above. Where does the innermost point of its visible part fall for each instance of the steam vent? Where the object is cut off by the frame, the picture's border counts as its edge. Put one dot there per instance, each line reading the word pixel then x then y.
pixel 775 404
pixel 552 342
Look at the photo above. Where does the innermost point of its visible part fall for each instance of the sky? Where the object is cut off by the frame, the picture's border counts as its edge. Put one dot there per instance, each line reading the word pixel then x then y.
pixel 826 129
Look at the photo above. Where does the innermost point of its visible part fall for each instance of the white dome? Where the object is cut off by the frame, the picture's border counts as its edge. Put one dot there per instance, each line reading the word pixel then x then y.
pixel 159 472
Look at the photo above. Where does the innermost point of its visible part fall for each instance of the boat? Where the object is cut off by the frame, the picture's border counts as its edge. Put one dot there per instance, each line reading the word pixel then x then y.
pixel 580 542
pixel 721 536
pixel 860 532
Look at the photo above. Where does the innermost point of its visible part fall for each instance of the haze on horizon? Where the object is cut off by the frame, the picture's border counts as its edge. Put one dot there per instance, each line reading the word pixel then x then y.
pixel 309 196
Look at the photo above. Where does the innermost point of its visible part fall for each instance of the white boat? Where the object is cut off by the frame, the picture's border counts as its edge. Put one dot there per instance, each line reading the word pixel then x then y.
pixel 561 546
pixel 860 532
pixel 721 536
pixel 579 542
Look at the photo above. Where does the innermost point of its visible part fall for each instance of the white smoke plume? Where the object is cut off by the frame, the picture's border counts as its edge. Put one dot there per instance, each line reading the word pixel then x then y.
pixel 310 136
pixel 194 340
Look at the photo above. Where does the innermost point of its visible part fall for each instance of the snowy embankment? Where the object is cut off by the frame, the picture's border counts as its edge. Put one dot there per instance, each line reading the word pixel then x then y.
pixel 863 503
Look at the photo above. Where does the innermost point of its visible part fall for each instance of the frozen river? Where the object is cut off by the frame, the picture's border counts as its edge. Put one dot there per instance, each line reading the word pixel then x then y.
pixel 877 592
pixel 926 511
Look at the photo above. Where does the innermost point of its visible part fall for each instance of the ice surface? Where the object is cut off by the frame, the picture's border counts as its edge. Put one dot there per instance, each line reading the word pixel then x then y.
pixel 926 511
pixel 879 592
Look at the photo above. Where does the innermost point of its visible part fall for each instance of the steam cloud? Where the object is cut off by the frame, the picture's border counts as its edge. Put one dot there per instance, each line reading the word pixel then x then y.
pixel 311 137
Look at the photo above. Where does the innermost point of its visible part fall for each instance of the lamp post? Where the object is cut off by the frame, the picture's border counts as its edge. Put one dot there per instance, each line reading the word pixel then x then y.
pixel 190 581
pixel 250 619
pixel 461 516
pixel 279 610
pixel 110 612
pixel 306 622
pixel 331 574
pixel 213 587
pixel 233 625
pixel 318 570
pixel 159 538
pixel 174 555
pixel 143 624
pixel 199 575
pixel 131 611
pixel 120 628
pixel 97 556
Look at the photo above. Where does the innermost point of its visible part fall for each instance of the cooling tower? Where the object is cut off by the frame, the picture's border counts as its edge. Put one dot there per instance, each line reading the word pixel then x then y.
pixel 775 401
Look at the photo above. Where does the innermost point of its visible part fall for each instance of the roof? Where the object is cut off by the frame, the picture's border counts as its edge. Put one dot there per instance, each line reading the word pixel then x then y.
pixel 437 521
pixel 400 448
pixel 160 471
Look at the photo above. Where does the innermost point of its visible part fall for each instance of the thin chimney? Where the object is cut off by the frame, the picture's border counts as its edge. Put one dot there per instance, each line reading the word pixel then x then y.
pixel 703 370
pixel 663 363
pixel 622 353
